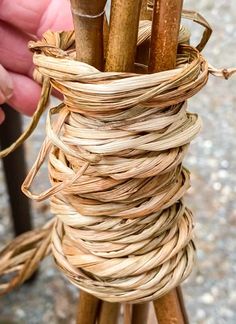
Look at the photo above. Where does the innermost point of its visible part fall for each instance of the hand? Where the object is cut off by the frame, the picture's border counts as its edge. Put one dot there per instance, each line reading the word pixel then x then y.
pixel 20 22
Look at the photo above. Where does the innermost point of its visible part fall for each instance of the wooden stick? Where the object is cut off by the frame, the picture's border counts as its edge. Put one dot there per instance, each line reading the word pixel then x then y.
pixel 88 22
pixel 128 309
pixel 121 50
pixel 140 313
pixel 164 42
pixel 123 34
pixel 168 309
pixel 109 313
pixel 87 308
pixel 165 31
pixel 182 305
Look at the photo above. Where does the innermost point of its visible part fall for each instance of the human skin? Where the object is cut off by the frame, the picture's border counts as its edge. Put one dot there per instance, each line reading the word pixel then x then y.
pixel 20 22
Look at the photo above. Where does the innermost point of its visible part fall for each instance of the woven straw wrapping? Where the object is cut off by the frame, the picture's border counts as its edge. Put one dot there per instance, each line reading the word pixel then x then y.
pixel 115 148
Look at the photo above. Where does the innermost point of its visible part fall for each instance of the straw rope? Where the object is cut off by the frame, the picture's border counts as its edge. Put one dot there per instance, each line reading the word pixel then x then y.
pixel 115 148
pixel 22 256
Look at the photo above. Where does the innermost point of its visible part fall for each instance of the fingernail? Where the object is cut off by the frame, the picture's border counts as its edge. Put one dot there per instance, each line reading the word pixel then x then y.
pixel 6 85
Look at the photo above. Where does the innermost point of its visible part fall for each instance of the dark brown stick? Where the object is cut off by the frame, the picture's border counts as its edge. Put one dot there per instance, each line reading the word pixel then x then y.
pixel 88 22
pixel 109 313
pixel 123 34
pixel 140 313
pixel 20 207
pixel 168 309
pixel 164 42
pixel 128 310
pixel 87 309
pixel 182 305
pixel 165 31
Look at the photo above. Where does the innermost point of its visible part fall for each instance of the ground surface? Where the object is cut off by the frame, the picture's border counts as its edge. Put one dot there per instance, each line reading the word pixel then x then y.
pixel 210 292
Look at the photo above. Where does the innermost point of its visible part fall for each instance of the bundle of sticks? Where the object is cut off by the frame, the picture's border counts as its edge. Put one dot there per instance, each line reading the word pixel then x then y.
pixel 113 47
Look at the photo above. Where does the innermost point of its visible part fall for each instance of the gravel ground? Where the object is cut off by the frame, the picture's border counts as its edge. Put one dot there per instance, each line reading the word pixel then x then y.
pixel 210 292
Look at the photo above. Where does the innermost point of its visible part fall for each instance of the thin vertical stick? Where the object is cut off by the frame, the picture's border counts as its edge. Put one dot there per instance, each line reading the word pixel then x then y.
pixel 164 42
pixel 128 313
pixel 87 308
pixel 109 313
pixel 88 22
pixel 140 313
pixel 123 34
pixel 168 309
pixel 165 31
pixel 182 305
pixel 121 50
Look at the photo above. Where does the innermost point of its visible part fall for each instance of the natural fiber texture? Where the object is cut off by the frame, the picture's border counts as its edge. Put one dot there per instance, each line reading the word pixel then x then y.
pixel 21 258
pixel 115 148
pixel 123 232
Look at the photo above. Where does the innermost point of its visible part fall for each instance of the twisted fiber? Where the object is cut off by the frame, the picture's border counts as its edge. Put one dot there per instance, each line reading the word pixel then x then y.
pixel 115 149
pixel 20 259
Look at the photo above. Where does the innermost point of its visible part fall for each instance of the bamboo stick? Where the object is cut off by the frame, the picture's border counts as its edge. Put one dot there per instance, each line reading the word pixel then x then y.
pixel 88 22
pixel 140 313
pixel 121 50
pixel 164 42
pixel 165 31
pixel 123 34
pixel 88 19
pixel 109 313
pixel 128 310
pixel 87 308
pixel 168 309
pixel 182 305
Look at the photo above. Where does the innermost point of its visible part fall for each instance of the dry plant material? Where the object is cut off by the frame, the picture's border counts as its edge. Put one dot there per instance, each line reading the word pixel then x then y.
pixel 164 42
pixel 123 34
pixel 140 313
pixel 109 313
pixel 88 22
pixel 115 148
pixel 21 258
pixel 87 310
pixel 168 309
pixel 129 134
pixel 165 30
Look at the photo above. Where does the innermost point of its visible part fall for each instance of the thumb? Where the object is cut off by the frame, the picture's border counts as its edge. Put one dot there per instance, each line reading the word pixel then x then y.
pixel 6 85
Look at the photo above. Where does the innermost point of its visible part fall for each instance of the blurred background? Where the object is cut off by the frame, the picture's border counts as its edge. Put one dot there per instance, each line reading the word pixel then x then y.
pixel 210 292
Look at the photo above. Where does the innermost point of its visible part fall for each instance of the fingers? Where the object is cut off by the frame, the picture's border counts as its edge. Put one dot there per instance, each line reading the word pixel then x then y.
pixel 35 17
pixel 6 85
pixel 14 53
pixel 57 17
pixel 23 14
pixel 26 94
